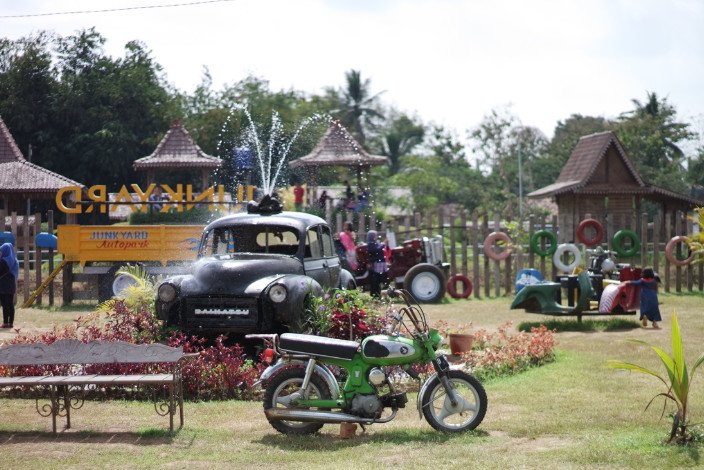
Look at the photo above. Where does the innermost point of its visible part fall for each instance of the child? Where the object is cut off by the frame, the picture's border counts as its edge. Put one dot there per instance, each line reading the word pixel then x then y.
pixel 649 309
pixel 9 272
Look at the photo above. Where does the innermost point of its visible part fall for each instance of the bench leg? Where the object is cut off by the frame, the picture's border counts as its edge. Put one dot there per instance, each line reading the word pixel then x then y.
pixel 180 402
pixel 172 407
pixel 67 406
pixel 54 406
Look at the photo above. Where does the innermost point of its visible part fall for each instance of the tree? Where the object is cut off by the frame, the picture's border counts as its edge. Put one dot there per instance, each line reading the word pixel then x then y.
pixel 358 107
pixel 398 138
pixel 652 135
pixel 498 142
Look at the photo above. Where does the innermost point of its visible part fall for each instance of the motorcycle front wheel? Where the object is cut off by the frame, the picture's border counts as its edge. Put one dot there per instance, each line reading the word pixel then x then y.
pixel 284 388
pixel 470 408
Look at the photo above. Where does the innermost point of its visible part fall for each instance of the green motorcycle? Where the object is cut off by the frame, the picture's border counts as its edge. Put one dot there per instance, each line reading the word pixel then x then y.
pixel 302 392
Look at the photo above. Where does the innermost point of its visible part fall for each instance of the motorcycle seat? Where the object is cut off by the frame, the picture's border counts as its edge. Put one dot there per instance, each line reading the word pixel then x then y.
pixel 312 345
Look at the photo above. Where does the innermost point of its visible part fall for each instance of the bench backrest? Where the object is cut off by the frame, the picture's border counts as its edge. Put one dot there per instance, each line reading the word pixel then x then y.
pixel 71 351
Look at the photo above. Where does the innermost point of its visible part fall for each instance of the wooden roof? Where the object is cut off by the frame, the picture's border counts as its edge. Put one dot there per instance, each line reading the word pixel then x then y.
pixel 17 175
pixel 177 150
pixel 579 175
pixel 338 148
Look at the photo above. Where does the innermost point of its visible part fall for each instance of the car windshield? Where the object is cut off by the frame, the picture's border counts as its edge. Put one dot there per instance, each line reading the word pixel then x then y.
pixel 251 239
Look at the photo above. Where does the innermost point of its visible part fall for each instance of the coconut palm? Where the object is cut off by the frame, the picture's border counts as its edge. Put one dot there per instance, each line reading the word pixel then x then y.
pixel 358 106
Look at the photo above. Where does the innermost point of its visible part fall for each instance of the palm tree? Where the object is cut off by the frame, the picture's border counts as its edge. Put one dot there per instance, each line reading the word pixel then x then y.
pixel 399 140
pixel 358 105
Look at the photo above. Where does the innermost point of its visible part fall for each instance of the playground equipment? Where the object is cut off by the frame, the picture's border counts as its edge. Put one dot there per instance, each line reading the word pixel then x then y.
pixel 597 290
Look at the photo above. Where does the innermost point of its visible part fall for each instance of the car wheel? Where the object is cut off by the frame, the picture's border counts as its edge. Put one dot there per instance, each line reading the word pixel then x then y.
pixel 425 282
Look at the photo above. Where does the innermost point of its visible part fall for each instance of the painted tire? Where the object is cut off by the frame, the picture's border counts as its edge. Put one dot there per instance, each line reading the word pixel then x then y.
pixel 598 228
pixel 561 250
pixel 489 246
pixel 618 243
pixel 452 286
pixel 535 243
pixel 670 248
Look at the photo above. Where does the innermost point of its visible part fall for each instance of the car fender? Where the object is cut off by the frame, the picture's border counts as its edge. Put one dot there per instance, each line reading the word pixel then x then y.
pixel 347 279
pixel 299 288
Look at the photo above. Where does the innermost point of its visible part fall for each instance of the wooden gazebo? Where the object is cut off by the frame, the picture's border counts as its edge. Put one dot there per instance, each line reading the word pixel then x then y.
pixel 339 148
pixel 599 180
pixel 22 181
pixel 177 151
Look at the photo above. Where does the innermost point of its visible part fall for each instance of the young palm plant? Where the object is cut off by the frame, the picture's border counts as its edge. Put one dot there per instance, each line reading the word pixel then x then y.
pixel 678 385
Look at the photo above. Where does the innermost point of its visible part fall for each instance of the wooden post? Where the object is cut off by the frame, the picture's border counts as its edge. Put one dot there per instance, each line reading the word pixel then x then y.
pixel 418 224
pixel 497 264
pixel 25 262
pixel 531 231
pixel 50 229
pixel 464 234
pixel 668 236
pixel 657 227
pixel 487 272
pixel 542 246
pixel 689 269
pixel 644 239
pixel 37 256
pixel 429 226
pixel 555 227
pixel 453 249
pixel 473 239
pixel 678 269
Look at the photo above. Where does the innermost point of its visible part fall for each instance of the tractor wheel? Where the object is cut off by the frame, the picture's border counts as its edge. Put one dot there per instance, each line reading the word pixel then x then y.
pixel 426 282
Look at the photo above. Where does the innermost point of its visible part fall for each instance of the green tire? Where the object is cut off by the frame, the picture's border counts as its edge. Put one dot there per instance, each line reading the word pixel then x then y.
pixel 617 243
pixel 535 243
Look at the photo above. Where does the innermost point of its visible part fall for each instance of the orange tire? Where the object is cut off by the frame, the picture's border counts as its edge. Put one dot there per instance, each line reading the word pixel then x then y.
pixel 670 248
pixel 489 246
pixel 452 286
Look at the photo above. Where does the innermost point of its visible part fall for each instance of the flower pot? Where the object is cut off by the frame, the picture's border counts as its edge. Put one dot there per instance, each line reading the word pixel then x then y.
pixel 460 343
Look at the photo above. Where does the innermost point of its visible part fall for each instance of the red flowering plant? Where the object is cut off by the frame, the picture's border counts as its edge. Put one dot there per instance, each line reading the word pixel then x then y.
pixel 345 314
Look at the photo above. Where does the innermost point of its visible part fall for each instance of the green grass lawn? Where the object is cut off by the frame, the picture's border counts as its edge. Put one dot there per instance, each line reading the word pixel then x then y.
pixel 573 413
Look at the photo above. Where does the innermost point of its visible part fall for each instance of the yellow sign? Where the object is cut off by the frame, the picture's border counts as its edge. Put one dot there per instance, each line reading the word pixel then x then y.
pixel 163 243
pixel 162 197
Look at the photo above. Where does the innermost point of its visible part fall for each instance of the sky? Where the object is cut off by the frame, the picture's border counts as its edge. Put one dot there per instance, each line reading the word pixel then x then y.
pixel 449 62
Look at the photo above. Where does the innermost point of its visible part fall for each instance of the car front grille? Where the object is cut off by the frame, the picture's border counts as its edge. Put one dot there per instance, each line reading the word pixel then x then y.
pixel 224 313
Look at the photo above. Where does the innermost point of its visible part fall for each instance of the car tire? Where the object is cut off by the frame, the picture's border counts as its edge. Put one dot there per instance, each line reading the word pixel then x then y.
pixel 426 283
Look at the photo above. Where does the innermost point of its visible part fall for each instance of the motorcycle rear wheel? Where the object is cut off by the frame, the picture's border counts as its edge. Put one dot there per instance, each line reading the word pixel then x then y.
pixel 470 408
pixel 279 392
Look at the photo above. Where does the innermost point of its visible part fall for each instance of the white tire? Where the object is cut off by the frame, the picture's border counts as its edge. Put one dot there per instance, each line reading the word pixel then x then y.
pixel 562 249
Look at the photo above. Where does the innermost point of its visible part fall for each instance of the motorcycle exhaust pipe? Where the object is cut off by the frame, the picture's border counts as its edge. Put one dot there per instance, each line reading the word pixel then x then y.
pixel 313 416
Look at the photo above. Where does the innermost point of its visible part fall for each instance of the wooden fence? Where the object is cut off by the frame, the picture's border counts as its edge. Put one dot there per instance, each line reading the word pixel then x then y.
pixel 463 234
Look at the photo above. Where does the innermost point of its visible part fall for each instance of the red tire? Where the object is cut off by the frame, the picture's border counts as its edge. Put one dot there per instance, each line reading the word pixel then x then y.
pixel 598 229
pixel 670 248
pixel 452 286
pixel 489 246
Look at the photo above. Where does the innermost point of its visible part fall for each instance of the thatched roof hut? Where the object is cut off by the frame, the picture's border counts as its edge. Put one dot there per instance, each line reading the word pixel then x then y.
pixel 22 181
pixel 178 151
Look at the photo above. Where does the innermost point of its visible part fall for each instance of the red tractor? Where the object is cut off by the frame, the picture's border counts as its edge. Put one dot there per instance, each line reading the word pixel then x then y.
pixel 416 265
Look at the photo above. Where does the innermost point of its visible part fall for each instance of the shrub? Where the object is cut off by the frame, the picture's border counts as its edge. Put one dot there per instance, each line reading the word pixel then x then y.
pixel 345 314
pixel 500 353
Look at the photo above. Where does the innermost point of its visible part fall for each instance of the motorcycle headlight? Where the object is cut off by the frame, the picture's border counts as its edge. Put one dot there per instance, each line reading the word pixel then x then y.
pixel 167 292
pixel 278 293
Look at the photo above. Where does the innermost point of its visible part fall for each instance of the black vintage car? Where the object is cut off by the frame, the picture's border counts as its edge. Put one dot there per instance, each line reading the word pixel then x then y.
pixel 253 274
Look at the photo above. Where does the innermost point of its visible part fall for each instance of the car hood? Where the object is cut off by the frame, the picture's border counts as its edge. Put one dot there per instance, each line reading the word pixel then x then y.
pixel 240 274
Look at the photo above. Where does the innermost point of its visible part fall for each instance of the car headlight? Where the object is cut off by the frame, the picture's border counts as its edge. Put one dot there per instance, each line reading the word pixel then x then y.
pixel 167 292
pixel 278 293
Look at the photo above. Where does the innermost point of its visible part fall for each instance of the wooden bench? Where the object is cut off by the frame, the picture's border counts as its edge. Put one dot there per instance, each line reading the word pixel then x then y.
pixel 67 390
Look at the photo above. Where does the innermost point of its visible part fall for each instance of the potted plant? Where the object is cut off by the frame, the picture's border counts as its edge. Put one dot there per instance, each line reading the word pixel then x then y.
pixel 458 336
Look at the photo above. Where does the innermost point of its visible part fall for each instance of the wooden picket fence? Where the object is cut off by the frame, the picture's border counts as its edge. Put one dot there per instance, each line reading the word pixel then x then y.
pixel 464 236
pixel 463 233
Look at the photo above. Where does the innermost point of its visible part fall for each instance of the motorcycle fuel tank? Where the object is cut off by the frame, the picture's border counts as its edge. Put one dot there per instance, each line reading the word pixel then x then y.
pixel 389 350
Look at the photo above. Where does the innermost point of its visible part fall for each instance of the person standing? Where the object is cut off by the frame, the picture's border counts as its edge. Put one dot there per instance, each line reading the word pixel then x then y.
pixel 298 193
pixel 9 272
pixel 376 264
pixel 347 238
pixel 649 309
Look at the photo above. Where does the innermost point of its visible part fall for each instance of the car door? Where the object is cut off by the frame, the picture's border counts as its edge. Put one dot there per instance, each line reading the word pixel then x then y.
pixel 332 260
pixel 314 263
